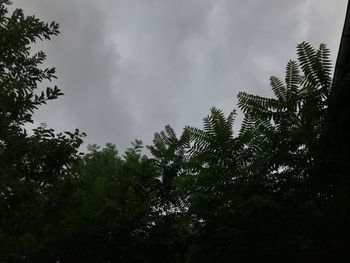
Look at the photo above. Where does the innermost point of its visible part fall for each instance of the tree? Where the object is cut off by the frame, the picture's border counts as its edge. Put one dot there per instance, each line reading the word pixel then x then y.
pixel 118 210
pixel 284 131
pixel 260 179
pixel 34 169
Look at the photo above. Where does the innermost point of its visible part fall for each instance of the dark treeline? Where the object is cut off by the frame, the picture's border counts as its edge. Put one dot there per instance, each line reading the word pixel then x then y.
pixel 205 195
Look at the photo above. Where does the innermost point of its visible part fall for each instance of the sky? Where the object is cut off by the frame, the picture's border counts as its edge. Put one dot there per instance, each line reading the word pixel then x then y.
pixel 130 67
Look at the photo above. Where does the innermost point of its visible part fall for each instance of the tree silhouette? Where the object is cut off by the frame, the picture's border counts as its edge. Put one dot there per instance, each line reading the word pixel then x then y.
pixel 35 169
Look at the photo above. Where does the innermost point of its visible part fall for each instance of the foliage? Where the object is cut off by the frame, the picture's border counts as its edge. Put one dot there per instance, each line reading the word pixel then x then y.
pixel 249 192
pixel 288 127
pixel 35 168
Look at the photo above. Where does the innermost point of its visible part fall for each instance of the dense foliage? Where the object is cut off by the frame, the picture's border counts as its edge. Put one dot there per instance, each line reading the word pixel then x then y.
pixel 207 195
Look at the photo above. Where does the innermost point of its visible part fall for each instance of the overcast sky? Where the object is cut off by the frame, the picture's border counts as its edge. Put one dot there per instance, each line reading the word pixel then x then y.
pixel 129 67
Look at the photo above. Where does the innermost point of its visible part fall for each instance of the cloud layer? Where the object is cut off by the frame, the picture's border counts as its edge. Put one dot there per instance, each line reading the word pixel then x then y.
pixel 129 67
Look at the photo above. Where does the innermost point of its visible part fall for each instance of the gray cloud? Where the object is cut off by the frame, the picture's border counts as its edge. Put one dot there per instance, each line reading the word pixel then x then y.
pixel 129 67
